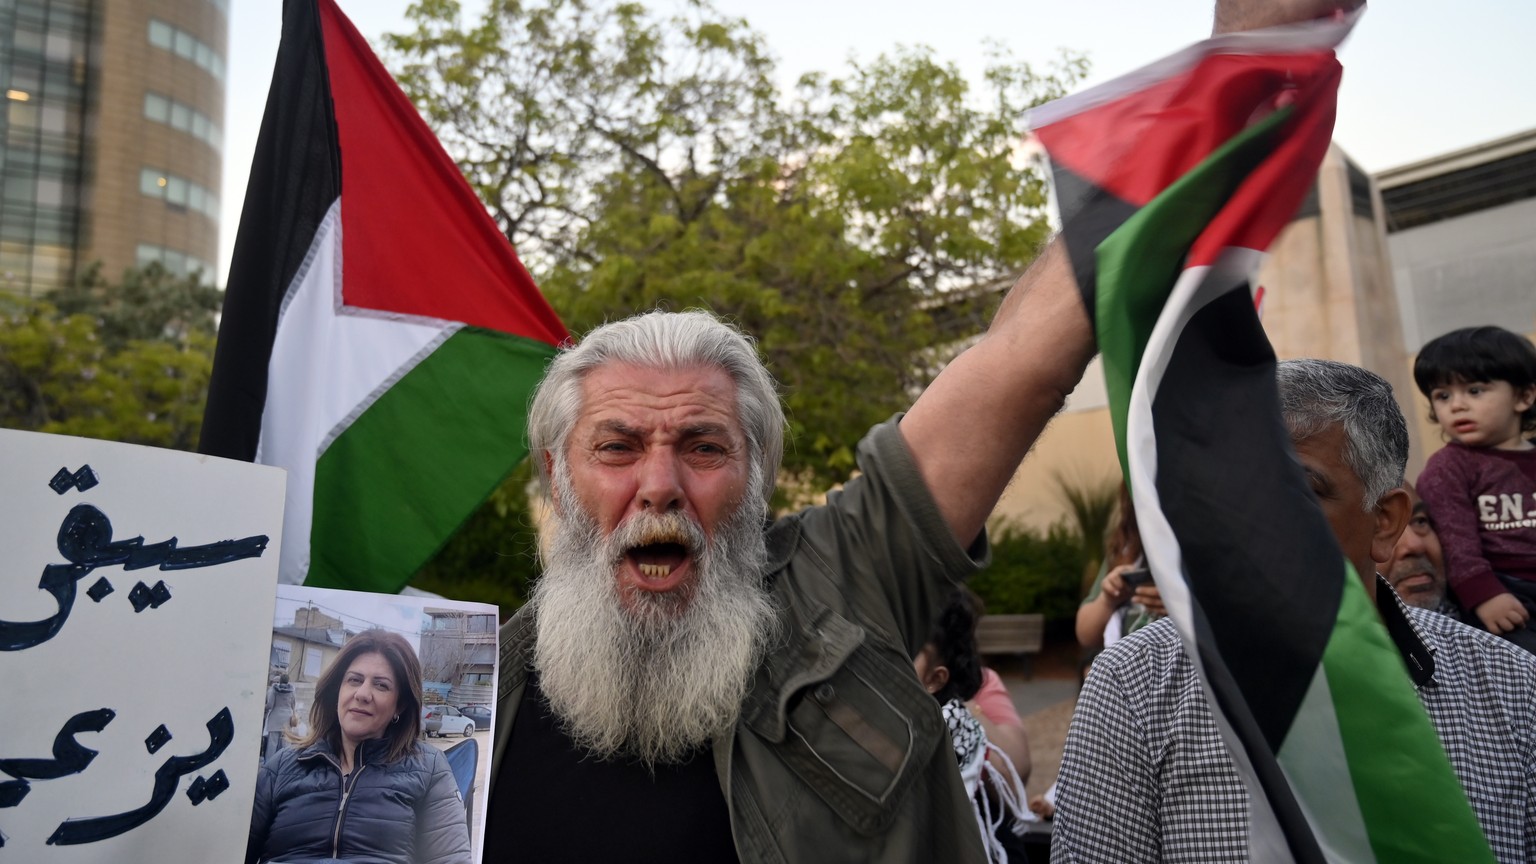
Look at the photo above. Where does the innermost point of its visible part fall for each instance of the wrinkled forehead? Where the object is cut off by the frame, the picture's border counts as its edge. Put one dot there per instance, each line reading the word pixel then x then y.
pixel 645 395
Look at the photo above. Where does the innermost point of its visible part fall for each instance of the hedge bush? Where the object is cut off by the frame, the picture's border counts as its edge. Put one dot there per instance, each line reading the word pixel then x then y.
pixel 1033 572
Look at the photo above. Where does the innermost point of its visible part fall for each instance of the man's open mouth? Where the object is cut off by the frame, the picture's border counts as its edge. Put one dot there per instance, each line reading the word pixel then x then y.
pixel 658 551
pixel 657 560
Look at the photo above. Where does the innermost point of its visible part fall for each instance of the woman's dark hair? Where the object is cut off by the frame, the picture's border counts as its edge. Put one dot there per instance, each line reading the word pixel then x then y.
pixel 1122 545
pixel 402 733
pixel 1478 354
pixel 953 640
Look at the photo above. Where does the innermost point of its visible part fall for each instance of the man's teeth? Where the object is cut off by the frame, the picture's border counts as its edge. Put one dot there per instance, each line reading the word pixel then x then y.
pixel 655 571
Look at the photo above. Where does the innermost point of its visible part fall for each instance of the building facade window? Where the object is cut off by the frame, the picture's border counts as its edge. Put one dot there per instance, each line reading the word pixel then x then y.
pixel 175 262
pixel 186 46
pixel 42 110
pixel 183 118
pixel 282 651
pixel 178 192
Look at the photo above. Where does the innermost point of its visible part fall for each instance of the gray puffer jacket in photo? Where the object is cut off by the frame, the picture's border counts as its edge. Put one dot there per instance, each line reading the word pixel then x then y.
pixel 404 812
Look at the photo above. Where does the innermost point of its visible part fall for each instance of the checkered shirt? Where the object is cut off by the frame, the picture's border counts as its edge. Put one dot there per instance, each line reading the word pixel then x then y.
pixel 1145 775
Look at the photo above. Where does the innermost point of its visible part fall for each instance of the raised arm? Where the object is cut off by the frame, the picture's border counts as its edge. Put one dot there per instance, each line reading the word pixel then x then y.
pixel 972 426
pixel 1235 15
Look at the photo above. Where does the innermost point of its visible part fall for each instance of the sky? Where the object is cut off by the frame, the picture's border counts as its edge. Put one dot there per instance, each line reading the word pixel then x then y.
pixel 1421 78
pixel 357 610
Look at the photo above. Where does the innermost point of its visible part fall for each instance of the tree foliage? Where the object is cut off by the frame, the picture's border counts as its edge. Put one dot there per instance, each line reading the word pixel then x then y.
pixel 149 304
pixel 858 226
pixel 126 362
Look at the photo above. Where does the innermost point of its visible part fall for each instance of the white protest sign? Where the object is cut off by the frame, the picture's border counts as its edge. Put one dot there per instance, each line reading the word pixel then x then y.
pixel 136 596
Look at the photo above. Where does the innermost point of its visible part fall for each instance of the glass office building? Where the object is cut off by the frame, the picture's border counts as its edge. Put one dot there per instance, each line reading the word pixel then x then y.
pixel 111 137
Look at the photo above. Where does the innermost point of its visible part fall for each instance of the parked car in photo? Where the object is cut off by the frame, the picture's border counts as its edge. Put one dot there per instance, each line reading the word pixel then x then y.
pixel 451 722
pixel 431 719
pixel 478 713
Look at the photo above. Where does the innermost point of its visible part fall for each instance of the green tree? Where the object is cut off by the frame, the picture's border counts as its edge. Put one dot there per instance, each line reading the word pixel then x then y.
pixel 127 362
pixel 859 227
pixel 148 304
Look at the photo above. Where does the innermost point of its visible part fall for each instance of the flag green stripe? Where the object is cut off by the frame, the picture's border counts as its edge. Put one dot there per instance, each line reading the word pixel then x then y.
pixel 1140 262
pixel 393 487
pixel 1411 813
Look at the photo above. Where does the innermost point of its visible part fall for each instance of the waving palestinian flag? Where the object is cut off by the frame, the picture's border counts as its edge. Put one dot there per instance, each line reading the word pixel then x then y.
pixel 380 337
pixel 1172 181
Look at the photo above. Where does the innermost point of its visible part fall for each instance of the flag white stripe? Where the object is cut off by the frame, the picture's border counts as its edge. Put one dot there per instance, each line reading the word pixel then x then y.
pixel 1317 768
pixel 323 367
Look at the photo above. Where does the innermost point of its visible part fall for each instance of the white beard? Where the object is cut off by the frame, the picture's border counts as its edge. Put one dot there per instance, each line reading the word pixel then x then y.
pixel 656 678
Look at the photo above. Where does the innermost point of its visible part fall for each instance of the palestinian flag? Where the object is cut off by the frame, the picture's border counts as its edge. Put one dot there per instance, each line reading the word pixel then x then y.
pixel 1171 182
pixel 380 338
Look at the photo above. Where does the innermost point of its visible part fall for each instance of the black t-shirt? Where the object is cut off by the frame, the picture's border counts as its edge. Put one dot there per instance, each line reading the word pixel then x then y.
pixel 555 803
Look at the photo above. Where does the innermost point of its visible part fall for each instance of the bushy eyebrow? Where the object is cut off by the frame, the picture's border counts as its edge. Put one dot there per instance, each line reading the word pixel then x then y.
pixel 707 430
pixel 1319 481
pixel 617 427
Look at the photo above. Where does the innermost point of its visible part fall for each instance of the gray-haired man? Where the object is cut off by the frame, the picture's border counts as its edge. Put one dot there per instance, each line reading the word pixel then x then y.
pixel 1145 775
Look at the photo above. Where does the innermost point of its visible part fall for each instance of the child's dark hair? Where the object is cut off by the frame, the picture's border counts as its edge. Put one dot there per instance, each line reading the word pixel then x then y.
pixel 954 645
pixel 1478 354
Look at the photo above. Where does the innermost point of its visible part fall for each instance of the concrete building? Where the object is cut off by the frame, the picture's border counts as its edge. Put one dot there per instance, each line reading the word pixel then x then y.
pixel 111 137
pixel 1369 270
pixel 459 649
pixel 306 647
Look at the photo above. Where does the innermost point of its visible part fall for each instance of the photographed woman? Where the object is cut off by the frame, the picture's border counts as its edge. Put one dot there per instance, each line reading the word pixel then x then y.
pixel 360 786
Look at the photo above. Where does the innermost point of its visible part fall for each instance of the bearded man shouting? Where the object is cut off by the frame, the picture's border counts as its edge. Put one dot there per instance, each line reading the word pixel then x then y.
pixel 692 682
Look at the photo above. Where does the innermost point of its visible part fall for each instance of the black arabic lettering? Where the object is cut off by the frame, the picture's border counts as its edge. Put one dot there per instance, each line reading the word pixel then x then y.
pixel 58 580
pixel 85 540
pixel 69 756
pixel 221 731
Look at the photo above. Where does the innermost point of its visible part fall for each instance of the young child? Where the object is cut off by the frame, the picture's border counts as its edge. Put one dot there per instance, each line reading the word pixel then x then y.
pixel 1481 487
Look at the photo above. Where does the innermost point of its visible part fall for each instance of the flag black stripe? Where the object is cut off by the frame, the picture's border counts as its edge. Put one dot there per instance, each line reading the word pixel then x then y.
pixel 1221 440
pixel 1089 214
pixel 295 178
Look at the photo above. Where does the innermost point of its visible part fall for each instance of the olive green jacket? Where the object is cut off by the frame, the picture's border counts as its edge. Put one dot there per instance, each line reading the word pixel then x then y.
pixel 839 754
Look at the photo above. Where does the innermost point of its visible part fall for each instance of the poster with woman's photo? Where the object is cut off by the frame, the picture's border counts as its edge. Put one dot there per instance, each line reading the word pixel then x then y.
pixel 377 728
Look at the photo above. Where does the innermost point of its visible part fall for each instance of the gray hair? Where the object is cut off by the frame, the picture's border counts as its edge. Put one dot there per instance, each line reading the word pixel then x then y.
pixel 1317 394
pixel 663 340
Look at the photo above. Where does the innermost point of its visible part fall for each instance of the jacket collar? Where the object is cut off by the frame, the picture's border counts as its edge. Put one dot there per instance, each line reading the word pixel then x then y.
pixel 1418 655
pixel 369 752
